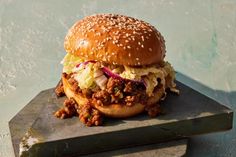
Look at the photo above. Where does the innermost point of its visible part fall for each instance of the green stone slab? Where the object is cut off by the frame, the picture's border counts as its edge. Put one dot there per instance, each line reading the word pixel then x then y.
pixel 188 114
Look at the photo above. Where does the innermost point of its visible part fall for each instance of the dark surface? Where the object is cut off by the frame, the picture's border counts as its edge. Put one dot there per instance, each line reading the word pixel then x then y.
pixel 21 122
pixel 175 148
pixel 188 114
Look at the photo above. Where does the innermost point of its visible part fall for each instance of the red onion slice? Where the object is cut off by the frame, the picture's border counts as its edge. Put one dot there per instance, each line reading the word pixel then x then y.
pixel 109 73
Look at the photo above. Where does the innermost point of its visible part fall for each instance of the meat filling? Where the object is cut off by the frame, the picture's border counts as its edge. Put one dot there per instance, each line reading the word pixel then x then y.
pixel 87 115
pixel 59 89
pixel 116 91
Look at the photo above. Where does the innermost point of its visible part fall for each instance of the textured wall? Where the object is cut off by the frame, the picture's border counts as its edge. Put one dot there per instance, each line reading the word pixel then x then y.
pixel 200 39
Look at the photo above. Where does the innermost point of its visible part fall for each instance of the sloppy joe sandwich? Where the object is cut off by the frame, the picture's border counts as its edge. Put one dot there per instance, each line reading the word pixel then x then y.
pixel 114 67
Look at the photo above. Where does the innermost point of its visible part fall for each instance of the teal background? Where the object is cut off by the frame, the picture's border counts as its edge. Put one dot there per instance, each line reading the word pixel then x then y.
pixel 200 40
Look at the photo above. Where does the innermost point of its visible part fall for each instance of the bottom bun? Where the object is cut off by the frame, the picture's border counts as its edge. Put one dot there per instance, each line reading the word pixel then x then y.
pixel 112 110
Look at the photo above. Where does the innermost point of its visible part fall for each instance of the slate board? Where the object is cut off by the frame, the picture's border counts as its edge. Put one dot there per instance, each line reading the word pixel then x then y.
pixel 188 114
pixel 176 148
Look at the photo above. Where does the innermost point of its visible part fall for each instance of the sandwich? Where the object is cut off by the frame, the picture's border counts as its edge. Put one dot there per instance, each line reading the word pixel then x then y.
pixel 114 67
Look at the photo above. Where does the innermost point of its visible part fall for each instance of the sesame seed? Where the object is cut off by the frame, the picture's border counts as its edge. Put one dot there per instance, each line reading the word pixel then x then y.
pixel 150 49
pixel 129 54
pixel 98 33
pixel 142 38
pixel 142 46
pixel 128 47
pixel 137 59
pixel 139 43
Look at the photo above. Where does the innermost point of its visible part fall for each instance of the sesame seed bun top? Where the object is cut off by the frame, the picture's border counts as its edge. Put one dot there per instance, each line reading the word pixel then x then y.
pixel 115 39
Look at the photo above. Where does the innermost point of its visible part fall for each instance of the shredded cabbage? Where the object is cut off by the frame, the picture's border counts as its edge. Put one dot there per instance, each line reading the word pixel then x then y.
pixel 85 77
pixel 69 62
pixel 150 75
